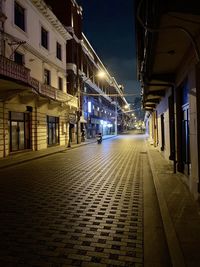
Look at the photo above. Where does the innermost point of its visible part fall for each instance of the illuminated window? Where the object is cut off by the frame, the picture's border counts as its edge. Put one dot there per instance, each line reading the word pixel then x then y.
pixel 89 107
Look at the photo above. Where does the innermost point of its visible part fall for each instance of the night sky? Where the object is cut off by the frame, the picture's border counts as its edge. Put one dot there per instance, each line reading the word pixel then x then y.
pixel 109 27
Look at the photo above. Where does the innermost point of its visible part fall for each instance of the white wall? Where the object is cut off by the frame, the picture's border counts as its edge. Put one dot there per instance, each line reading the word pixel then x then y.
pixel 162 108
pixel 37 57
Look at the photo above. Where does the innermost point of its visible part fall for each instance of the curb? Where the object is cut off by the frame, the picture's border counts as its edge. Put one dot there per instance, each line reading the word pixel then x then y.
pixel 176 254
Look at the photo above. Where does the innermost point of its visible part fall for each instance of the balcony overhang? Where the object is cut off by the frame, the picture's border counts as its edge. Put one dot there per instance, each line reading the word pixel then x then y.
pixel 174 41
pixel 167 50
pixel 15 79
pixel 9 89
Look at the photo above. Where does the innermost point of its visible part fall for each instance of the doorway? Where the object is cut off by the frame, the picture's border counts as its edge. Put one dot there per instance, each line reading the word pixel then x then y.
pixel 185 139
pixel 52 130
pixel 20 131
pixel 162 132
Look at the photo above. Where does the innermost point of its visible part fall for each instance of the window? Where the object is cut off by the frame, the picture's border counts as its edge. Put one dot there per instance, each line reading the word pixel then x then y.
pixel 19 131
pixel 19 16
pixel 44 38
pixel 60 83
pixel 52 130
pixel 19 58
pixel 58 51
pixel 47 77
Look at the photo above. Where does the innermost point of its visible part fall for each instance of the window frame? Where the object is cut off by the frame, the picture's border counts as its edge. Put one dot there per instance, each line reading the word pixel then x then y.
pixel 22 56
pixel 44 42
pixel 58 51
pixel 60 82
pixel 47 78
pixel 19 25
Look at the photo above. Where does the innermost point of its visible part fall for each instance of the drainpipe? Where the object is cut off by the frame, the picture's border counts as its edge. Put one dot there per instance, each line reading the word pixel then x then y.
pixel 172 85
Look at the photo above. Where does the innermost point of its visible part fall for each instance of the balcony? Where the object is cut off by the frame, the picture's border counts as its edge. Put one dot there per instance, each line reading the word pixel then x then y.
pixel 48 91
pixel 21 75
pixel 56 94
pixel 12 70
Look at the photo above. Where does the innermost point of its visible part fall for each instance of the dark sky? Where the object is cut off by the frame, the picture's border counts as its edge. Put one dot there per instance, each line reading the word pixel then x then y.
pixel 109 27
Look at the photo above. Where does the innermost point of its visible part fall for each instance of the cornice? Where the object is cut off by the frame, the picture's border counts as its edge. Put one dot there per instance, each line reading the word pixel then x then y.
pixel 45 10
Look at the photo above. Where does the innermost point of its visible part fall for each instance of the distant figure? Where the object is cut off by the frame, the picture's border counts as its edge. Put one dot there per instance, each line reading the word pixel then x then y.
pixel 99 138
pixel 83 135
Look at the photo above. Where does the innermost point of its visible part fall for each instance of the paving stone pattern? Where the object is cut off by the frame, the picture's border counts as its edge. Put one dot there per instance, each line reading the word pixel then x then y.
pixel 82 207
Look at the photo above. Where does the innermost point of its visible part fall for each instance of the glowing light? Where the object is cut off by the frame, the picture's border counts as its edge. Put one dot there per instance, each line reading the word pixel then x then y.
pixel 101 74
pixel 89 107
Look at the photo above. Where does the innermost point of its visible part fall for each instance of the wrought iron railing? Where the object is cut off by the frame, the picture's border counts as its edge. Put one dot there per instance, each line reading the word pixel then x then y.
pixel 48 91
pixel 19 73
pixel 13 70
pixel 34 83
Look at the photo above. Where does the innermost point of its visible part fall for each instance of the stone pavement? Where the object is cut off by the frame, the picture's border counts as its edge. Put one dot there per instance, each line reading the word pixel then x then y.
pixel 180 212
pixel 82 207
pixel 25 156
pixel 89 211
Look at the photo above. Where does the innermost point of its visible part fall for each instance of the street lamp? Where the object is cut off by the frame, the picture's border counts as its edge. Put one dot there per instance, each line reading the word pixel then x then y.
pixel 101 74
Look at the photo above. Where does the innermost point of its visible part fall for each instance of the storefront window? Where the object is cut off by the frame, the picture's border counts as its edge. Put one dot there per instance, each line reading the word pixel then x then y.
pixel 52 130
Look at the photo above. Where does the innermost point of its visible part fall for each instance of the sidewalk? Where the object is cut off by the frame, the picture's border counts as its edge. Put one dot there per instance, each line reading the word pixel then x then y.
pixel 25 156
pixel 180 212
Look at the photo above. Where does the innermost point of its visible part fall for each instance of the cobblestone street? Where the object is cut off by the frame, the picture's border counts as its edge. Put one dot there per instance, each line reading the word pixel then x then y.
pixel 81 207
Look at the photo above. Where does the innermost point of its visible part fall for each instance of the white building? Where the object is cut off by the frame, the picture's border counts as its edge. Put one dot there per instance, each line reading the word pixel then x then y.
pixel 34 104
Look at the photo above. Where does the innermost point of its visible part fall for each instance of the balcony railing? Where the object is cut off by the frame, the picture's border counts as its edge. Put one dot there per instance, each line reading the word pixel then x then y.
pixel 13 70
pixel 62 96
pixel 19 73
pixel 48 91
pixel 34 83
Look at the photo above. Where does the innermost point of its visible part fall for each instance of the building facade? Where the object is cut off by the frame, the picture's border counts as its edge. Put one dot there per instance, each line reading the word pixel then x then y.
pixel 34 104
pixel 168 44
pixel 99 99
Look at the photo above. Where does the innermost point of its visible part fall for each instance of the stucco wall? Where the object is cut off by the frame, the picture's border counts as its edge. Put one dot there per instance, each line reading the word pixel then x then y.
pixel 163 108
pixel 36 57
